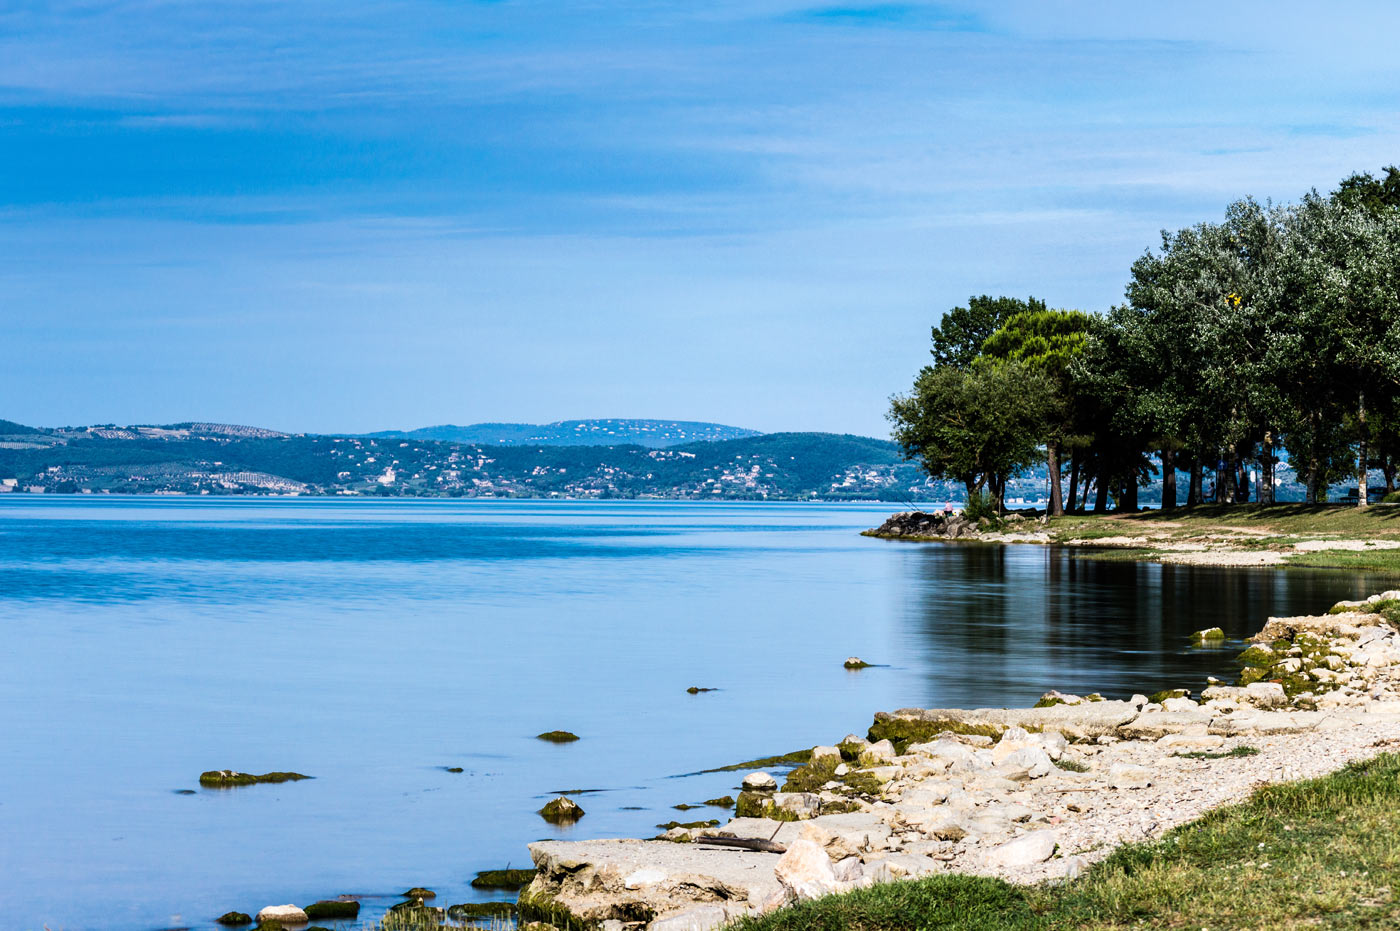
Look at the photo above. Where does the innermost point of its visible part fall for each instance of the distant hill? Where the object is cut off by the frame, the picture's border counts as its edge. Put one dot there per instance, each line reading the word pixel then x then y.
pixel 217 459
pixel 653 434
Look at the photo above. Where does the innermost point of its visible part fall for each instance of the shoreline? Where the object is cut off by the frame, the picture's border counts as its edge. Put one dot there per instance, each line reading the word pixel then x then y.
pixel 1241 536
pixel 1026 795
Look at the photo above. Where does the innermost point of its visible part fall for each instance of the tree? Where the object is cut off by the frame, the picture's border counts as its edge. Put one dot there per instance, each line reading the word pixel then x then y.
pixel 978 425
pixel 1340 278
pixel 1046 341
pixel 958 339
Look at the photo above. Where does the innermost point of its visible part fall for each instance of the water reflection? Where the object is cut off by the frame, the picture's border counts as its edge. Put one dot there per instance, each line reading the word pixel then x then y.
pixel 1000 626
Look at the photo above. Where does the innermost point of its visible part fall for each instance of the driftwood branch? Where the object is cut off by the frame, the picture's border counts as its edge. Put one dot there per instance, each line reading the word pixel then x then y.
pixel 742 843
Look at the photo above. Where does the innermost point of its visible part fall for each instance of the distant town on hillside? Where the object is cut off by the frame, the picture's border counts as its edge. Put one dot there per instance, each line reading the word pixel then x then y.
pixel 649 459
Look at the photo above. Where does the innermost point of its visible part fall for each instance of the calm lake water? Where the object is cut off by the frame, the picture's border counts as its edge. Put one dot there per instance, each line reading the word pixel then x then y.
pixel 372 644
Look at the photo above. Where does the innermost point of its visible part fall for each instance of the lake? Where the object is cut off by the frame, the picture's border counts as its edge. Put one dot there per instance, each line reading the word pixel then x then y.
pixel 373 644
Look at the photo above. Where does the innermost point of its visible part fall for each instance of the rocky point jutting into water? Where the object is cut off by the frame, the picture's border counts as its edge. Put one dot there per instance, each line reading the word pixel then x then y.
pixel 1026 794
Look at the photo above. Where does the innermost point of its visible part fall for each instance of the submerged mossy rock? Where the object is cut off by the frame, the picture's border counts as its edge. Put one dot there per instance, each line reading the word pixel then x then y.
pixel 562 810
pixel 1209 635
pixel 234 919
pixel 229 778
pixel 724 801
pixel 1158 697
pixel 469 910
pixel 688 825
pixel 503 879
pixel 557 737
pixel 333 909
pixel 418 892
pixel 855 662
pixel 1090 719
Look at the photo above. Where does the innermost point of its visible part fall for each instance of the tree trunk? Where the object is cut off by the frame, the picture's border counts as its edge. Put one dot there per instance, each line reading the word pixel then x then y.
pixel 1266 470
pixel 1073 481
pixel 1193 491
pixel 1128 503
pixel 1242 484
pixel 1389 469
pixel 1168 480
pixel 997 485
pixel 1225 490
pixel 1314 471
pixel 1100 495
pixel 1361 499
pixel 1052 461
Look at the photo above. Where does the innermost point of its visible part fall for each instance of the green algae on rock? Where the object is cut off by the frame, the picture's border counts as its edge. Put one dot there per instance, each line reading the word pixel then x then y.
pixel 229 778
pixel 724 801
pixel 503 879
pixel 557 737
pixel 1209 635
pixel 333 909
pixel 418 892
pixel 469 910
pixel 234 919
pixel 688 825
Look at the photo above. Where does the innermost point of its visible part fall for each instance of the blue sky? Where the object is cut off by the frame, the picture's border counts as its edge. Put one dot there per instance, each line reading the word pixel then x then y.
pixel 346 216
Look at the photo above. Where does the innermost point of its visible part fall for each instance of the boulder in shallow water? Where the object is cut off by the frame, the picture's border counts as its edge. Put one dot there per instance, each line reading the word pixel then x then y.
pixel 333 909
pixel 557 737
pixel 760 782
pixel 234 919
pixel 284 914
pixel 230 778
pixel 562 810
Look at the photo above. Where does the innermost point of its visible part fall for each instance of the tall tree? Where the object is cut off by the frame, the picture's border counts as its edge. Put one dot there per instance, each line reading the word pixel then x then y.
pixel 1046 341
pixel 979 425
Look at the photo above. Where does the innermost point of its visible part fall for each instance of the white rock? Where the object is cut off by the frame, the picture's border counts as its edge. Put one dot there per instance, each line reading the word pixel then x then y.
pixel 1266 694
pixel 848 869
pixel 1129 776
pixel 842 770
pixel 1013 739
pixel 646 876
pixel 697 918
pixel 1025 763
pixel 1054 744
pixel 286 914
pixel 881 751
pixel 824 753
pixel 1190 742
pixel 803 805
pixel 761 782
pixel 805 871
pixel 1026 850
pixel 1179 704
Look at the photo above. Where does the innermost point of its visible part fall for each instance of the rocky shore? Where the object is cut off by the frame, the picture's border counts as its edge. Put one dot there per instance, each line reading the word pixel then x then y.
pixel 1026 794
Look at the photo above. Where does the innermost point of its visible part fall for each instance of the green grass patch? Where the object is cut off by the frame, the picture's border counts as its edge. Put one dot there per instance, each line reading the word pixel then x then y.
pixel 1218 754
pixel 1071 766
pixel 1381 561
pixel 1322 853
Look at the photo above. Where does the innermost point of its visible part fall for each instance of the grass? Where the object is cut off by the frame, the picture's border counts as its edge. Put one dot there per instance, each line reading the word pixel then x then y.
pixel 1387 561
pixel 1218 754
pixel 1243 527
pixel 1322 853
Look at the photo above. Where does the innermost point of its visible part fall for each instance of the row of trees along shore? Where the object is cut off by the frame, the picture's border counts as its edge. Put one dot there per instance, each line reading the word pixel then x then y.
pixel 1277 329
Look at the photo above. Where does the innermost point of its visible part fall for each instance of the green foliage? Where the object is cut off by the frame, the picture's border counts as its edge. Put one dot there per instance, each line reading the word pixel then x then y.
pixel 959 337
pixel 978 426
pixel 979 506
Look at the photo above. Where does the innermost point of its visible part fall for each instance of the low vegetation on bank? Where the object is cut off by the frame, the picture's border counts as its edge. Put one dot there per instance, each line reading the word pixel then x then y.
pixel 1320 853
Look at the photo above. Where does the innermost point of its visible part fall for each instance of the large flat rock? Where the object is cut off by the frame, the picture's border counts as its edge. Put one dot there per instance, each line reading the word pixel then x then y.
pixel 638 880
pixel 1087 720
